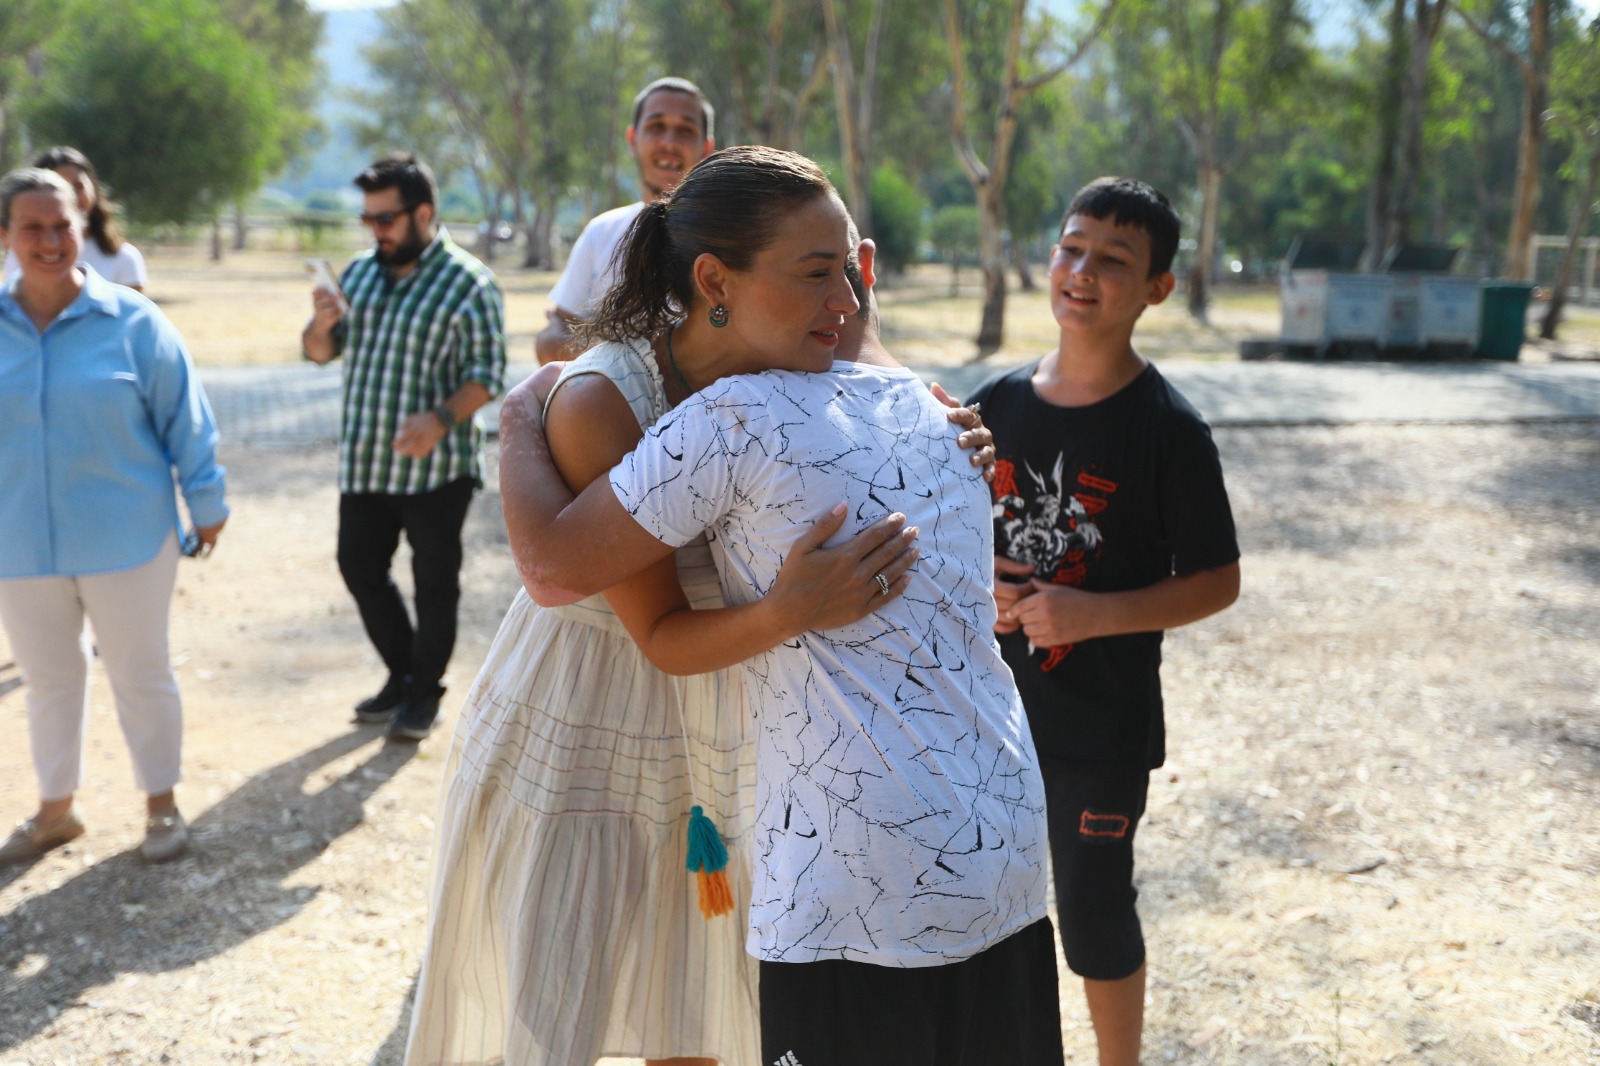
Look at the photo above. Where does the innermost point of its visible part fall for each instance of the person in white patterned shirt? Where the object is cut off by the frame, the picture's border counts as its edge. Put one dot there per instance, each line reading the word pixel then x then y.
pixel 898 908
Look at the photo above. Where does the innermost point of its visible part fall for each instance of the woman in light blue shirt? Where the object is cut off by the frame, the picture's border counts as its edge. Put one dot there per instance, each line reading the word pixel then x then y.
pixel 99 409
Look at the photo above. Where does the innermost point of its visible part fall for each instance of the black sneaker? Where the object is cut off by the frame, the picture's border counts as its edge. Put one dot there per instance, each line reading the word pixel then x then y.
pixel 414 720
pixel 381 708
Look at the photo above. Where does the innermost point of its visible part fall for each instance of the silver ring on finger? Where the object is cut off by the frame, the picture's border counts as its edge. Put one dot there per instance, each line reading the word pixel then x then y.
pixel 974 406
pixel 883 582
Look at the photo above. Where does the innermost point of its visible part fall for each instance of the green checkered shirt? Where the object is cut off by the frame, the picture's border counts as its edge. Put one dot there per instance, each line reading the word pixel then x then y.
pixel 408 345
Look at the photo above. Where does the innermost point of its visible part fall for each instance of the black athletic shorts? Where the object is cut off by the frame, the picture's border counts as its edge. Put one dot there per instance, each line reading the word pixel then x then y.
pixel 1093 815
pixel 998 1008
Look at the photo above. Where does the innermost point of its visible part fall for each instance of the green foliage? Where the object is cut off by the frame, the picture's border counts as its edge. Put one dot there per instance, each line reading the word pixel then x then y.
pixel 1470 143
pixel 177 110
pixel 1575 94
pixel 1033 202
pixel 512 91
pixel 24 25
pixel 324 202
pixel 954 232
pixel 287 33
pixel 898 212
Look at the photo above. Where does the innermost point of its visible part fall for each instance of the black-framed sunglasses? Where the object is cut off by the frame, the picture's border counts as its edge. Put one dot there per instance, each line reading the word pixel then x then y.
pixel 385 218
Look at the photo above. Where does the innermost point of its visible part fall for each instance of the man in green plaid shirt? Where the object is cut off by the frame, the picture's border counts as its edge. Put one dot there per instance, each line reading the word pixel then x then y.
pixel 420 324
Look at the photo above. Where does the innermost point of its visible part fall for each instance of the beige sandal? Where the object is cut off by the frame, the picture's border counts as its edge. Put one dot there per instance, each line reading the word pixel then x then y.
pixel 29 839
pixel 166 836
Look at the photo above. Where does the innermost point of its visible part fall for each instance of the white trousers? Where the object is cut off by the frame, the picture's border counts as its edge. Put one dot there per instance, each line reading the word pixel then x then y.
pixel 128 609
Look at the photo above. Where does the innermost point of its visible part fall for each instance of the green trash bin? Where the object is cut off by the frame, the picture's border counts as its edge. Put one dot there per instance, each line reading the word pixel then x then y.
pixel 1505 312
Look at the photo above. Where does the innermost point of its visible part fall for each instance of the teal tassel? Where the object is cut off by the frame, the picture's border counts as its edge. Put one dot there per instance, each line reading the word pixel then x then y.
pixel 707 857
pixel 707 854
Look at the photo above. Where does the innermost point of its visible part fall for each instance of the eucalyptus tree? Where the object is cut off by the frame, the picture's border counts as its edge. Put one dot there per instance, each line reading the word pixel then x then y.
pixel 501 75
pixel 1531 56
pixel 855 93
pixel 1009 57
pixel 287 32
pixel 1229 71
pixel 1575 111
pixel 1413 28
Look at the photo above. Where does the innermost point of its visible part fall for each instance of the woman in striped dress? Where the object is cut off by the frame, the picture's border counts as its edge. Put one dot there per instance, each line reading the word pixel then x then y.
pixel 565 925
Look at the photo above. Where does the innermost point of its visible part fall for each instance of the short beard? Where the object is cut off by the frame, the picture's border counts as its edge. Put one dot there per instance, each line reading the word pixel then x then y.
pixel 406 252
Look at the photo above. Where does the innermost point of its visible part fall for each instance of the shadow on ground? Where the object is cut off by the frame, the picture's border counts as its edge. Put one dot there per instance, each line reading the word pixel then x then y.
pixel 227 890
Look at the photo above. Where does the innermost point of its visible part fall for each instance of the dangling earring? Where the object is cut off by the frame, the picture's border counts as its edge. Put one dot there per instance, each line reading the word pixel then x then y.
pixel 718 316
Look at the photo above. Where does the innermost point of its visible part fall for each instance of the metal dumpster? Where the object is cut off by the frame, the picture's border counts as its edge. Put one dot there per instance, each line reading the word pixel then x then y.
pixel 1448 315
pixel 1431 313
pixel 1323 304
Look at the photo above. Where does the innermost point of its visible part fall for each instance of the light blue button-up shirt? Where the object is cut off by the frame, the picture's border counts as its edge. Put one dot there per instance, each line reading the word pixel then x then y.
pixel 96 415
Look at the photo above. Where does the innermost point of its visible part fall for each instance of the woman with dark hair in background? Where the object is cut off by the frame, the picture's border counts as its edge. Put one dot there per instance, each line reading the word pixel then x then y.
pixel 104 248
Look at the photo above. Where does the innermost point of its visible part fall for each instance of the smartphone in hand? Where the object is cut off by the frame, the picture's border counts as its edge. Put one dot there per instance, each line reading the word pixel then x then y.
pixel 323 277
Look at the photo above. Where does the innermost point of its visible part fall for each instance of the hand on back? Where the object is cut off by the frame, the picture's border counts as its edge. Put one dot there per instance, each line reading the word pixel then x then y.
pixel 825 588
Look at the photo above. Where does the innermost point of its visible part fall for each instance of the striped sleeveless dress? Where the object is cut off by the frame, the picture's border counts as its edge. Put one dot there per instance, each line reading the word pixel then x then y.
pixel 564 925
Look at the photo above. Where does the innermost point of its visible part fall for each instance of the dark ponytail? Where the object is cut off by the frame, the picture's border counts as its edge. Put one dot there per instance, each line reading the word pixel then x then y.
pixel 643 298
pixel 730 205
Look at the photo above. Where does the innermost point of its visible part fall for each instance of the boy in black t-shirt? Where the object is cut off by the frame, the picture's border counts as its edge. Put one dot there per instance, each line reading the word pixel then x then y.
pixel 1111 525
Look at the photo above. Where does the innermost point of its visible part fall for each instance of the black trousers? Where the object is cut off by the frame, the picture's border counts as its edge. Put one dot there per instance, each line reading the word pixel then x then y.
pixel 370 525
pixel 1000 1007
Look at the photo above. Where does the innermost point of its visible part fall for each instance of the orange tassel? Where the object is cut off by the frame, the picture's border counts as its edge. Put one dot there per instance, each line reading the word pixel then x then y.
pixel 716 895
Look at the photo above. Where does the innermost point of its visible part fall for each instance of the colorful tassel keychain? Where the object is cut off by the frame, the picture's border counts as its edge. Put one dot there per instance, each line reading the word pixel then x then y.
pixel 708 859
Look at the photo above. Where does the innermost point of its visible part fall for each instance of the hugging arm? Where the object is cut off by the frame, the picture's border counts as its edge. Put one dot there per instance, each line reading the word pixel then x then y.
pixel 569 545
pixel 591 427
pixel 817 588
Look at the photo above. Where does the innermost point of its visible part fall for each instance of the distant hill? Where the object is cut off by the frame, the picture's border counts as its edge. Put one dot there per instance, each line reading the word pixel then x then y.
pixel 329 169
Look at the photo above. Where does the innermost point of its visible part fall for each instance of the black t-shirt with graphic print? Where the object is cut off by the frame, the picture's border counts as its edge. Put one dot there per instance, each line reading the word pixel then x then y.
pixel 1112 496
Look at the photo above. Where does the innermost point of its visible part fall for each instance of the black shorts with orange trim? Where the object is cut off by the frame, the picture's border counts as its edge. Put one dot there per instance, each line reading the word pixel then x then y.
pixel 1093 817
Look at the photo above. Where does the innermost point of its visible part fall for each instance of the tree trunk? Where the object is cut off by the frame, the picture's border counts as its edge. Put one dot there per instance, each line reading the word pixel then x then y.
pixel 1535 85
pixel 216 238
pixel 989 179
pixel 520 221
pixel 1380 199
pixel 1413 106
pixel 854 108
pixel 1019 263
pixel 1575 228
pixel 538 230
pixel 491 209
pixel 241 228
pixel 991 255
pixel 1205 254
pixel 531 257
pixel 5 138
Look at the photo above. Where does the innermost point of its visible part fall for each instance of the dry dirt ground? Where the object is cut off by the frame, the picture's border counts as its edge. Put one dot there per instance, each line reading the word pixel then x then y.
pixel 1377 838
